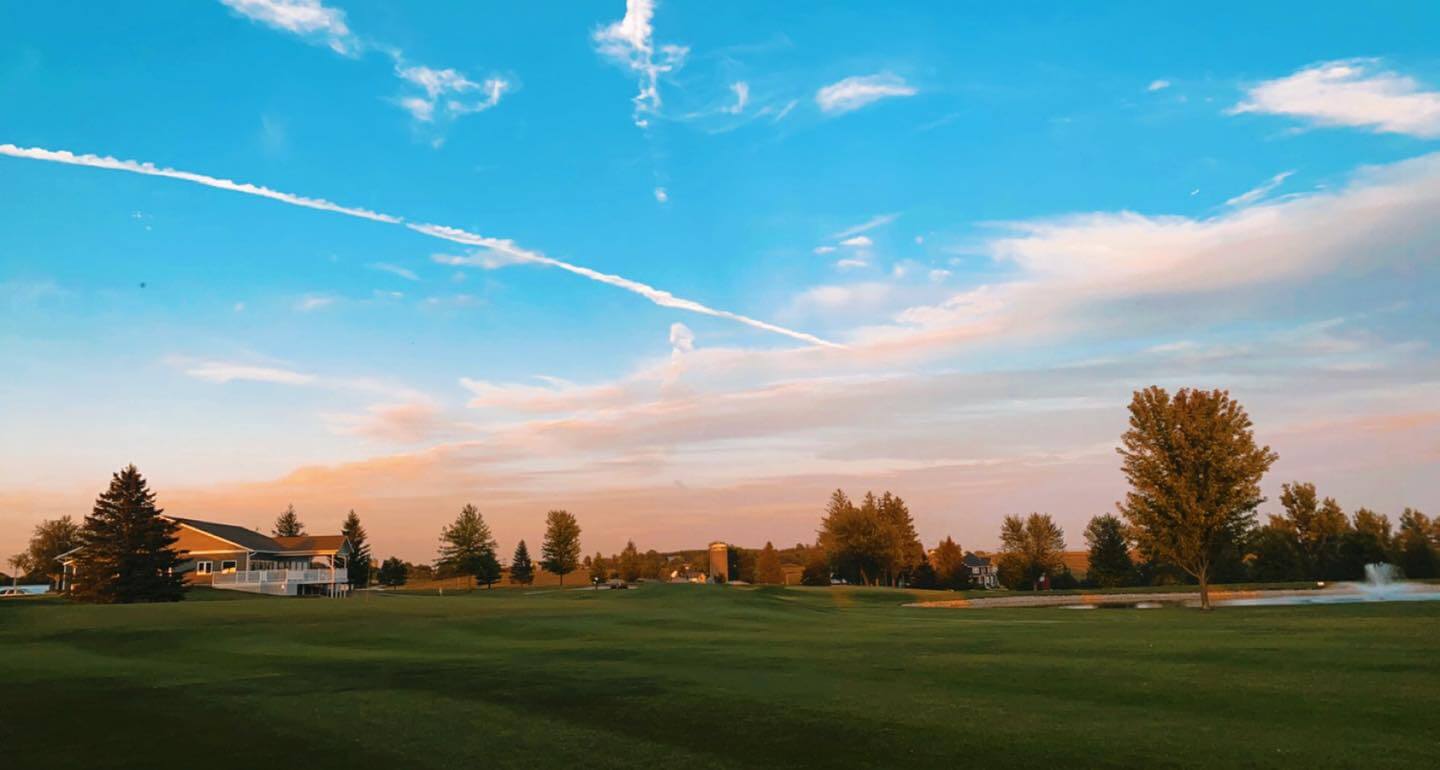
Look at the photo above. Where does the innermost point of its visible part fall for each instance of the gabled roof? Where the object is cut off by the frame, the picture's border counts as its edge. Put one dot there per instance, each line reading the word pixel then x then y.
pixel 321 543
pixel 975 560
pixel 245 538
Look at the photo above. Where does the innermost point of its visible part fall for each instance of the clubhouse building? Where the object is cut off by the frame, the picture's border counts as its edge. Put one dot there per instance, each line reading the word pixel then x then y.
pixel 234 558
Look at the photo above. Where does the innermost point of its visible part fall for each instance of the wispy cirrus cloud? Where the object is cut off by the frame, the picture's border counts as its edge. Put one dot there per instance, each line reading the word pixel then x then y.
pixel 1250 196
pixel 403 272
pixel 223 372
pixel 866 226
pixel 630 43
pixel 446 92
pixel 1355 93
pixel 306 18
pixel 499 248
pixel 852 93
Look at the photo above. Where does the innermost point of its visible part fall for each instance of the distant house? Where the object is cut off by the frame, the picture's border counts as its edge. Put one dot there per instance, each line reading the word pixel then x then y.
pixel 982 570
pixel 235 558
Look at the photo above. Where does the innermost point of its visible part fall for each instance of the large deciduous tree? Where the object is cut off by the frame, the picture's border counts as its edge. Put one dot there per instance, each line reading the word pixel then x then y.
pixel 1110 562
pixel 949 565
pixel 288 524
pixel 48 541
pixel 468 548
pixel 1417 545
pixel 629 563
pixel 1029 549
pixel 1194 471
pixel 560 551
pixel 522 570
pixel 358 567
pixel 127 551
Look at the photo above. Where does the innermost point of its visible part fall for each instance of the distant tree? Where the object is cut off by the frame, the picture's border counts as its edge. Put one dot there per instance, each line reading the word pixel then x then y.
pixel 817 568
pixel 288 524
pixel 1029 549
pixel 1366 541
pixel 560 552
pixel 522 570
pixel 923 575
pixel 857 543
pixel 358 566
pixel 629 564
pixel 468 548
pixel 904 550
pixel 742 564
pixel 767 566
pixel 19 565
pixel 599 570
pixel 1317 527
pixel 652 565
pixel 1194 471
pixel 1417 549
pixel 1274 554
pixel 49 539
pixel 949 566
pixel 127 550
pixel 393 572
pixel 1110 563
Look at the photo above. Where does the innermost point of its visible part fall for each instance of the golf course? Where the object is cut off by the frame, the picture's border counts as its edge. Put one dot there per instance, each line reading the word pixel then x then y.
pixel 711 676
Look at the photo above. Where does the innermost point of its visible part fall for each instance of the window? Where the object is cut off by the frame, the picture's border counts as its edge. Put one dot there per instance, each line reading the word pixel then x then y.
pixel 203 567
pixel 227 567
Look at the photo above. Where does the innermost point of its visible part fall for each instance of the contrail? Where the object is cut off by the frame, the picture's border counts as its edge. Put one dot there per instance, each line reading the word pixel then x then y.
pixel 504 246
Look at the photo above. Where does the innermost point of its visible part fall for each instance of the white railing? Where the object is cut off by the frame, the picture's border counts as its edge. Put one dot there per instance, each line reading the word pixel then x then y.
pixel 261 576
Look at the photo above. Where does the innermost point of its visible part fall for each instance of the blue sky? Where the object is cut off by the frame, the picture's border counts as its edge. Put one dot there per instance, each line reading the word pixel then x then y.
pixel 1001 221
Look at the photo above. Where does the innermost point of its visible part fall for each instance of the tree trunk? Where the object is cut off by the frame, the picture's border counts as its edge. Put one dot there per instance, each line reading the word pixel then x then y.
pixel 1203 574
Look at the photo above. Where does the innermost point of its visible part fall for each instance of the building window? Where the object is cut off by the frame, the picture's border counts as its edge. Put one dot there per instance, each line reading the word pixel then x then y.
pixel 227 567
pixel 203 567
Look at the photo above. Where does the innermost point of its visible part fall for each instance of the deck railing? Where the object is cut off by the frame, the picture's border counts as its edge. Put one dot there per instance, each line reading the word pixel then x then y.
pixel 260 576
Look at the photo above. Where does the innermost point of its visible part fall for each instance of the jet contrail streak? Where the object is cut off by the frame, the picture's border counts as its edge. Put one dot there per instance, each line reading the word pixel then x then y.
pixel 501 245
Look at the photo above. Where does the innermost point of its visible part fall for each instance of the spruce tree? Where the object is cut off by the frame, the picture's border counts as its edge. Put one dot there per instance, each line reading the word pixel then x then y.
pixel 1110 563
pixel 358 566
pixel 467 547
pixel 560 552
pixel 522 570
pixel 127 549
pixel 288 524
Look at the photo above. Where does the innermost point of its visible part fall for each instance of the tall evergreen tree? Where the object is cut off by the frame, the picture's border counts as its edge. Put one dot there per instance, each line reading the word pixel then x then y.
pixel 767 566
pixel 358 567
pixel 288 524
pixel 522 570
pixel 1110 563
pixel 560 551
pixel 856 541
pixel 127 549
pixel 905 550
pixel 1194 471
pixel 468 548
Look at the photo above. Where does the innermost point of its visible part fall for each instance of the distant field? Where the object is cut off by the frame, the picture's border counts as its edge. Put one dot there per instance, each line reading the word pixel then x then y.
pixel 705 676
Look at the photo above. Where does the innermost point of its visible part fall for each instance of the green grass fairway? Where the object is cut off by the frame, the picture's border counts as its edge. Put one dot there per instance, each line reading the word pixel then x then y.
pixel 705 676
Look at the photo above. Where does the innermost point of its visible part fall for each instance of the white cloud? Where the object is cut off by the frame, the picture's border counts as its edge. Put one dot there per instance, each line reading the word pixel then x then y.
pixel 850 263
pixel 822 250
pixel 682 340
pixel 858 242
pixel 1350 93
pixel 222 372
pixel 496 246
pixel 937 275
pixel 742 97
pixel 312 302
pixel 447 89
pixel 852 93
pixel 785 111
pixel 403 272
pixel 661 195
pixel 1251 196
pixel 629 42
pixel 1157 85
pixel 307 18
